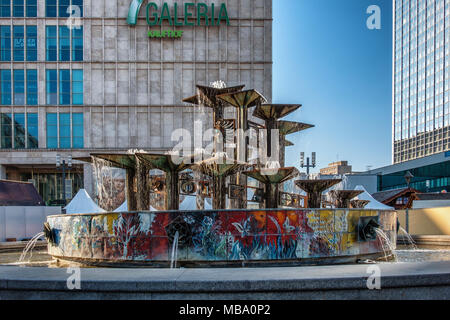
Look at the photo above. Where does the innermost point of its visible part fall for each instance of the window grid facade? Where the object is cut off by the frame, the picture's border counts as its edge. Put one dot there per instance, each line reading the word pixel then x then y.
pixel 421 112
pixel 19 130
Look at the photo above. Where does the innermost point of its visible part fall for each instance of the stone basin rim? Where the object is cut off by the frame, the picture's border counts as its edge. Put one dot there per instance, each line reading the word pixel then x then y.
pixel 216 211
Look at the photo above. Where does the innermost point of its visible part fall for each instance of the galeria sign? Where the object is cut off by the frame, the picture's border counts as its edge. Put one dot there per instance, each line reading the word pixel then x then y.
pixel 195 14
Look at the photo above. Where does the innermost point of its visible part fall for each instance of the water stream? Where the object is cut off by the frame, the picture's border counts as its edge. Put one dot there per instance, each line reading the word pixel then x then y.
pixel 30 246
pixel 411 241
pixel 174 256
pixel 388 247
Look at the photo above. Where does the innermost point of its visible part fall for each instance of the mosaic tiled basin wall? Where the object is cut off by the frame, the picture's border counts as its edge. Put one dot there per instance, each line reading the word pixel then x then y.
pixel 217 237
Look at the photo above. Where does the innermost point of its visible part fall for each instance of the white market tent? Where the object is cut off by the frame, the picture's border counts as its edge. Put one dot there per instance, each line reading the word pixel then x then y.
pixel 374 204
pixel 190 203
pixel 124 207
pixel 82 203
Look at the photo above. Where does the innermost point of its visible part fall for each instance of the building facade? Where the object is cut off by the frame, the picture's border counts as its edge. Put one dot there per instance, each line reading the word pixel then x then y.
pixel 79 80
pixel 337 168
pixel 421 78
pixel 431 174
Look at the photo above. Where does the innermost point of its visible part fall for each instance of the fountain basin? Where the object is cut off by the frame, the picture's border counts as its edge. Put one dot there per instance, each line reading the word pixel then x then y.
pixel 218 238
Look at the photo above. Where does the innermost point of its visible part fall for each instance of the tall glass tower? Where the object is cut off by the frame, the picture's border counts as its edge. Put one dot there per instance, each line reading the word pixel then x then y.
pixel 421 107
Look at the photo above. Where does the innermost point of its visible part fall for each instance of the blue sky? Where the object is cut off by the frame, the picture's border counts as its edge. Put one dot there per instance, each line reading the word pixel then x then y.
pixel 326 59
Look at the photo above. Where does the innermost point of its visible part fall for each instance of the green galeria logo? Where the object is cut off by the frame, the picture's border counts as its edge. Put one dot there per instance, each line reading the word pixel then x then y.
pixel 133 12
pixel 206 15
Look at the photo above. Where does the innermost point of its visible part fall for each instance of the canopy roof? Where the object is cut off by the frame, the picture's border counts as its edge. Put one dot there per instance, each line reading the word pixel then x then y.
pixel 190 203
pixel 373 204
pixel 83 203
pixel 124 207
pixel 15 193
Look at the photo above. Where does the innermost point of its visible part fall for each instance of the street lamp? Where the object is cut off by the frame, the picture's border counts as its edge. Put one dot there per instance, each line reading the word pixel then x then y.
pixel 408 176
pixel 64 166
pixel 308 165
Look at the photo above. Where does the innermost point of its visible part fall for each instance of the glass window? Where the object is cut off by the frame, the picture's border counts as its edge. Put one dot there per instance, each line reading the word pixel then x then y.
pixel 31 43
pixel 51 43
pixel 64 43
pixel 5 8
pixel 31 8
pixel 64 87
pixel 32 131
pixel 5 87
pixel 32 87
pixel 5 43
pixel 64 130
pixel 18 9
pixel 51 8
pixel 77 44
pixel 52 86
pixel 19 131
pixel 63 7
pixel 77 131
pixel 52 131
pixel 6 128
pixel 19 43
pixel 77 87
pixel 19 87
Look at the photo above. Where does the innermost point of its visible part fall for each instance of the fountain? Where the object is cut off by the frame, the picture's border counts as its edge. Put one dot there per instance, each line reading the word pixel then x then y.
pixel 165 163
pixel 272 183
pixel 219 168
pixel 359 204
pixel 315 188
pixel 229 234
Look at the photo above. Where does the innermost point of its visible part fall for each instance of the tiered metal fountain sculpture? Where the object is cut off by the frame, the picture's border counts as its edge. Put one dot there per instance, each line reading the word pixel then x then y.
pixel 172 170
pixel 342 198
pixel 232 237
pixel 271 113
pixel 314 190
pixel 219 168
pixel 272 183
pixel 359 204
pixel 136 177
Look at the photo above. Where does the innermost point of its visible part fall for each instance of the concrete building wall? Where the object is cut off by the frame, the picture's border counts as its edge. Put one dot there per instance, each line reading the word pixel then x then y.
pixel 23 222
pixel 432 221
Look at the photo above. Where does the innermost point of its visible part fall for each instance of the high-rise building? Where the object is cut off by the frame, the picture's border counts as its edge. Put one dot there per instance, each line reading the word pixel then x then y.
pixel 421 106
pixel 80 77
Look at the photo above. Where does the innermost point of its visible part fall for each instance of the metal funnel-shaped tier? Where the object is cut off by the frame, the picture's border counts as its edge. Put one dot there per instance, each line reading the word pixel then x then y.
pixel 314 190
pixel 207 95
pixel 342 197
pixel 359 204
pixel 219 168
pixel 290 127
pixel 272 181
pixel 287 143
pixel 164 162
pixel 243 99
pixel 274 111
